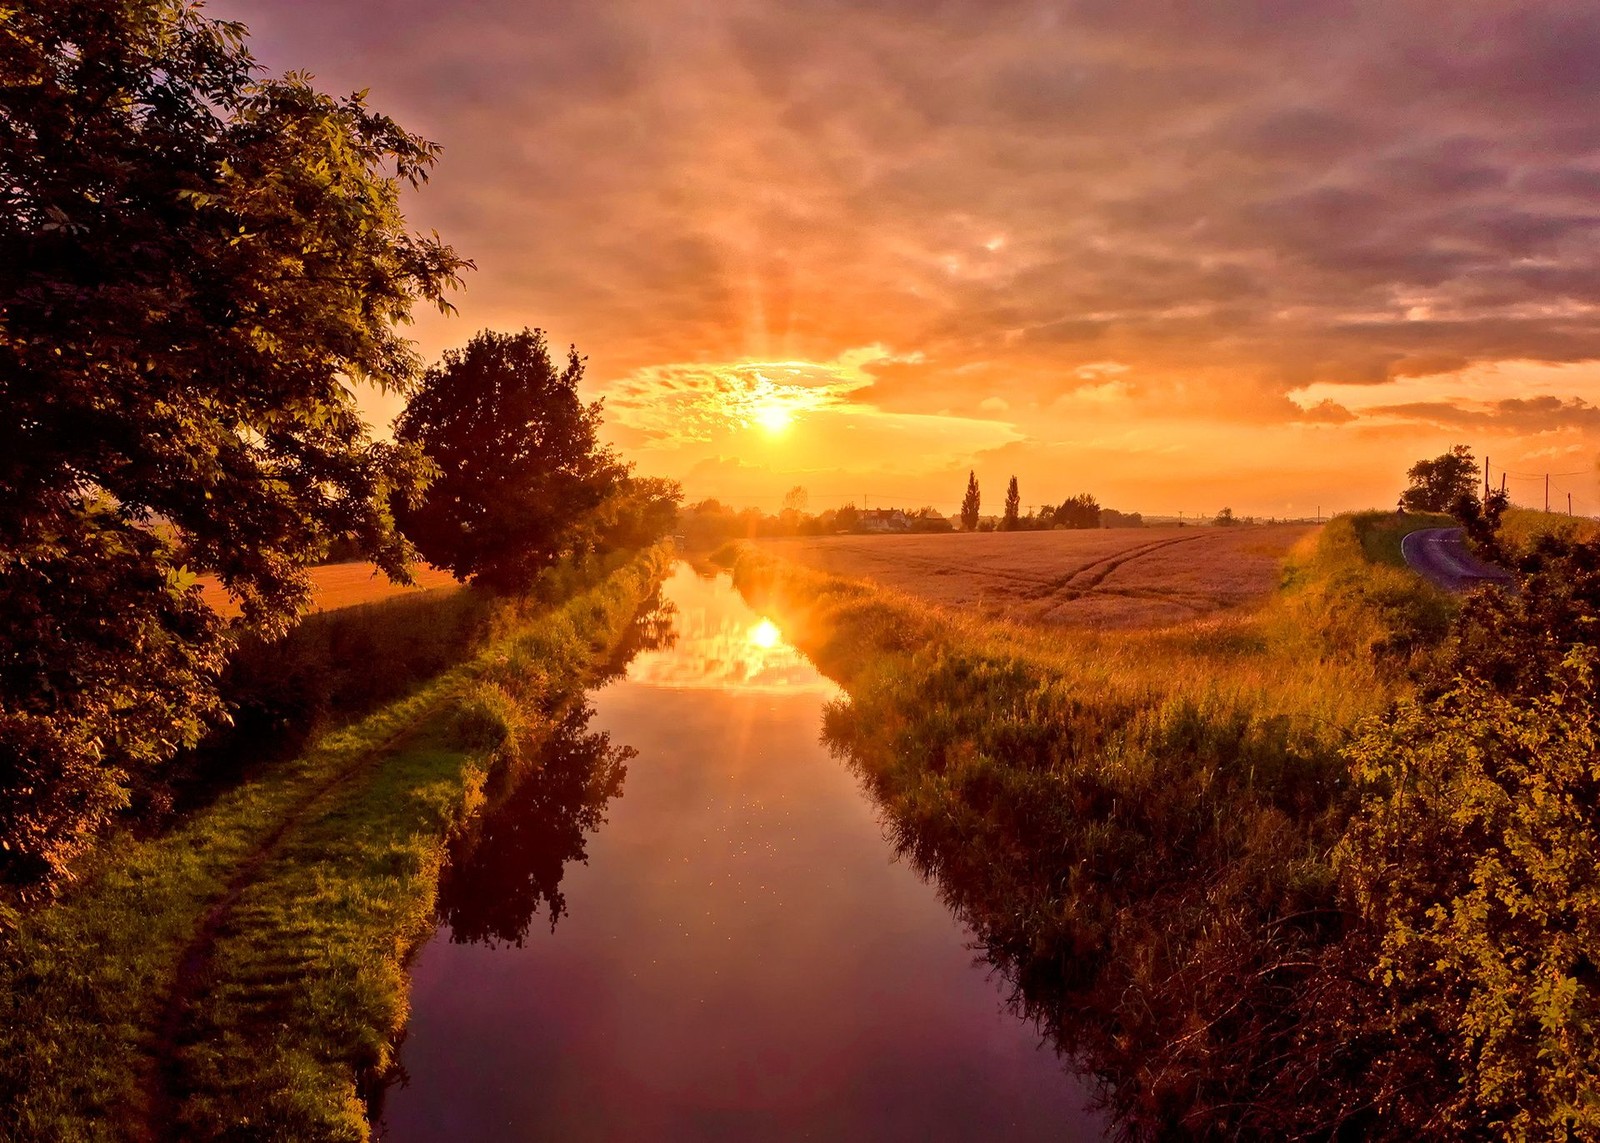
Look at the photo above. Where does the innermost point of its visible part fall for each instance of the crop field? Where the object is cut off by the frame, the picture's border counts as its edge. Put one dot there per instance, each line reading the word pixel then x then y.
pixel 342 585
pixel 1132 577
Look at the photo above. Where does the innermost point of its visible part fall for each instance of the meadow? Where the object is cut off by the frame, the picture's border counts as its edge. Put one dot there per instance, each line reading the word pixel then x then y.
pixel 1120 578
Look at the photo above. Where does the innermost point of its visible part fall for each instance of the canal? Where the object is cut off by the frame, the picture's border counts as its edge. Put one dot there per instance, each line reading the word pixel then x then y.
pixel 686 923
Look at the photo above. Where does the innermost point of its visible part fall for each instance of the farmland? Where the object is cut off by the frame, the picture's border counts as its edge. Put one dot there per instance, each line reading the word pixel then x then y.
pixel 342 585
pixel 1134 577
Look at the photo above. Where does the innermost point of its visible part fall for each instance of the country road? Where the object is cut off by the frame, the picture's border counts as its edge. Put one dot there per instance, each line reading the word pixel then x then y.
pixel 1440 555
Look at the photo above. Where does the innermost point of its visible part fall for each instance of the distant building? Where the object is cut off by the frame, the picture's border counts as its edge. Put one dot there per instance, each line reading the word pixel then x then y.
pixel 884 520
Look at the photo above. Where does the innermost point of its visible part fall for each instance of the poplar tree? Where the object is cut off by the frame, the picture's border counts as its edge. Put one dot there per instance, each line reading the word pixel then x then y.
pixel 1013 505
pixel 969 504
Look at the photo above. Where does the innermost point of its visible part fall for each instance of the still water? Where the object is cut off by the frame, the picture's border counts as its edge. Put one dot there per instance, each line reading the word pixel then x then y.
pixel 687 924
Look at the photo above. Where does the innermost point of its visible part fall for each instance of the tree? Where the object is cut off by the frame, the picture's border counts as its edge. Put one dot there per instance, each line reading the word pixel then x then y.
pixel 521 475
pixel 1438 484
pixel 1080 511
pixel 969 504
pixel 795 500
pixel 196 268
pixel 1013 504
pixel 1225 518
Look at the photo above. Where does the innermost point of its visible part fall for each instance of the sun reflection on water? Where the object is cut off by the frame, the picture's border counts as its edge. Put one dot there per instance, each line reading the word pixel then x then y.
pixel 722 644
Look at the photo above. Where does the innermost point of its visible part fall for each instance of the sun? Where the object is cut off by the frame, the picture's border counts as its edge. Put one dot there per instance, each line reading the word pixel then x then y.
pixel 765 635
pixel 774 418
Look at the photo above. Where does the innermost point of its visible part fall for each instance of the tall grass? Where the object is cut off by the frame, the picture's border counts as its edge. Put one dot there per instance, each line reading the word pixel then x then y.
pixel 242 975
pixel 1135 825
pixel 1521 528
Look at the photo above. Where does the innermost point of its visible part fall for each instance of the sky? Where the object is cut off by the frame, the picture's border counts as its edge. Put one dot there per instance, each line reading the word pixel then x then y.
pixel 1178 255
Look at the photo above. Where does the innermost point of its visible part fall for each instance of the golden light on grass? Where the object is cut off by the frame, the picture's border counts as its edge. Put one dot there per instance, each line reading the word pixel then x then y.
pixel 765 635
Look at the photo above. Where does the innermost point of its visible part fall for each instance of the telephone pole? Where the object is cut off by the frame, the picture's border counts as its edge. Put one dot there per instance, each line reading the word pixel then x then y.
pixel 1547 492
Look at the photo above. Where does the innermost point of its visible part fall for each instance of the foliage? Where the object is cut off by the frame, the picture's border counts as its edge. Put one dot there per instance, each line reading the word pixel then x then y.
pixel 1438 484
pixel 295 1003
pixel 1008 522
pixel 1472 860
pixel 1521 528
pixel 970 503
pixel 1080 511
pixel 1225 518
pixel 521 474
pixel 195 266
pixel 332 668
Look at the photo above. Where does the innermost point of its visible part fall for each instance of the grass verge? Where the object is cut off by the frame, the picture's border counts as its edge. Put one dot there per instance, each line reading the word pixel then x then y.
pixel 242 976
pixel 1382 532
pixel 1522 528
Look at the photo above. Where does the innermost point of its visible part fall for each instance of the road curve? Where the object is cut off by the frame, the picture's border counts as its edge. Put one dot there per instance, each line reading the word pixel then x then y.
pixel 1440 556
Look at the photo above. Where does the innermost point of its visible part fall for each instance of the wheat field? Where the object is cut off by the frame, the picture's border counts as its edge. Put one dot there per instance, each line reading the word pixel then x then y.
pixel 1126 577
pixel 341 585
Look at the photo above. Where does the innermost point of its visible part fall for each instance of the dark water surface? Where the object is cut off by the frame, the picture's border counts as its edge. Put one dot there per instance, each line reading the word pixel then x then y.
pixel 734 952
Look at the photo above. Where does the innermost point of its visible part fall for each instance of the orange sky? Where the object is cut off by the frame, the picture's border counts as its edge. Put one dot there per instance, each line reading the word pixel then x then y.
pixel 1181 256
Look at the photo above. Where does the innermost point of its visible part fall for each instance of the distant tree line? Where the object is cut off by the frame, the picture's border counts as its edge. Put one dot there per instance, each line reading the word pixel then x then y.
pixel 1080 511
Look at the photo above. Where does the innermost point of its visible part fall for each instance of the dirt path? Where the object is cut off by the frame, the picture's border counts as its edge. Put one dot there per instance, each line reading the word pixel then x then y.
pixel 162 1085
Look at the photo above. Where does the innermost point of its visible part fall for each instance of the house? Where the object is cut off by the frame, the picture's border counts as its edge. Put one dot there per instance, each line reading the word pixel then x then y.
pixel 884 520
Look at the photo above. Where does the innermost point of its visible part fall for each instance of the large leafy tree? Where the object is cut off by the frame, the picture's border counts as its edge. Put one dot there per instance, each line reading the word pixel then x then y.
pixel 197 267
pixel 522 478
pixel 1443 483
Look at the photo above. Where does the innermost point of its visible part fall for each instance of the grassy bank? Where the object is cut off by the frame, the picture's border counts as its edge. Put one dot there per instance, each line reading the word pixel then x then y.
pixel 242 974
pixel 1137 826
pixel 1521 528
pixel 1381 532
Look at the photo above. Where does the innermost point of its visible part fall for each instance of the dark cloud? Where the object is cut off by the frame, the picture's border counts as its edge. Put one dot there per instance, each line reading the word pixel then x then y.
pixel 1513 414
pixel 1256 194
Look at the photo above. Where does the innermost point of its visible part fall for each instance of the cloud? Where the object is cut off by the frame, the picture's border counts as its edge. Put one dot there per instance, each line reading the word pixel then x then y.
pixel 1238 203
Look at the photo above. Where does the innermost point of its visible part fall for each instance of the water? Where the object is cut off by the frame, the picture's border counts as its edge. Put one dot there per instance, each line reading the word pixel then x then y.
pixel 709 938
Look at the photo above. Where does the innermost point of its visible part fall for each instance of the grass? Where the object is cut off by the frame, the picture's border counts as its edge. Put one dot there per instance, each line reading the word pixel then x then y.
pixel 1381 533
pixel 242 975
pixel 1521 528
pixel 1102 577
pixel 1136 825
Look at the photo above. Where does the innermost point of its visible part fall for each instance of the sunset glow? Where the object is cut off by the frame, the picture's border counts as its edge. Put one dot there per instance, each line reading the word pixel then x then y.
pixel 1176 257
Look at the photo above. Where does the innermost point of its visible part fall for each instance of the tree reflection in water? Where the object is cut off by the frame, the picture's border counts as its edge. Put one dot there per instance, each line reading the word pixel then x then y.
pixel 509 863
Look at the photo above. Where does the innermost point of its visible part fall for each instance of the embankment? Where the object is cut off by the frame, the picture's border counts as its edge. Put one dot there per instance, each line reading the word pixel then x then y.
pixel 242 975
pixel 1137 825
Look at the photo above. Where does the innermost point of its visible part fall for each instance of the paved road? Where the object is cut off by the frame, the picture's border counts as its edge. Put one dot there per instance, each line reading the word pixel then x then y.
pixel 1441 556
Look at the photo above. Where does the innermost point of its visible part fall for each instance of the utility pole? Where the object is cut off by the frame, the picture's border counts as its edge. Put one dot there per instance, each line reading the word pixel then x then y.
pixel 1486 478
pixel 1547 492
pixel 1569 504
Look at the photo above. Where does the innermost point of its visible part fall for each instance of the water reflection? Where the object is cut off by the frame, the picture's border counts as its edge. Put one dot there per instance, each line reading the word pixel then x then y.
pixel 741 958
pixel 721 648
pixel 510 863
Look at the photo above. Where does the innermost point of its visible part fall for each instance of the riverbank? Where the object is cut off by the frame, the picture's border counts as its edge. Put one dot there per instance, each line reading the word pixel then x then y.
pixel 1138 826
pixel 243 973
